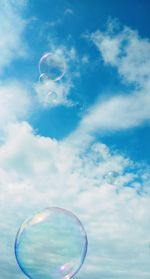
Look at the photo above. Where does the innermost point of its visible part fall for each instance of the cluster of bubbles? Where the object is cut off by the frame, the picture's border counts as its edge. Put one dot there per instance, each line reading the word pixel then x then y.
pixel 51 69
pixel 51 245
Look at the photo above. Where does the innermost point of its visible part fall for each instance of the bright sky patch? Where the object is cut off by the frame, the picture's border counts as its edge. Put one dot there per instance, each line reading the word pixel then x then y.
pixel 74 127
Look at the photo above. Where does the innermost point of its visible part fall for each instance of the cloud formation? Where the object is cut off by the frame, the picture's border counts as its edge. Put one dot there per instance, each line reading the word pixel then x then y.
pixel 130 55
pixel 52 93
pixel 125 50
pixel 15 103
pixel 108 192
pixel 12 25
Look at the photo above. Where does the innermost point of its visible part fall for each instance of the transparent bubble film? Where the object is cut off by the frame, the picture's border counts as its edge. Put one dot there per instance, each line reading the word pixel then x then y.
pixel 51 245
pixel 52 66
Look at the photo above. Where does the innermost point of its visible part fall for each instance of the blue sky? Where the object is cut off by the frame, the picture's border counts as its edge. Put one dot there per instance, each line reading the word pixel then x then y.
pixel 56 24
pixel 88 151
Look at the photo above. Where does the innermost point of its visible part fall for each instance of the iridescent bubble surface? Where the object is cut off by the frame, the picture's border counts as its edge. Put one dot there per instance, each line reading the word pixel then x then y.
pixel 52 66
pixel 51 245
pixel 43 78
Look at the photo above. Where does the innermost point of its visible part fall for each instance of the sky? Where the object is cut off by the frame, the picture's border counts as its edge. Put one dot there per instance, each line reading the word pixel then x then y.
pixel 87 148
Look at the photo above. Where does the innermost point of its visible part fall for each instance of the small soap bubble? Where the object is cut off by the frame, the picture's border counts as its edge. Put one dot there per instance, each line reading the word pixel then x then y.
pixel 52 65
pixel 43 78
pixel 111 177
pixel 52 97
pixel 51 245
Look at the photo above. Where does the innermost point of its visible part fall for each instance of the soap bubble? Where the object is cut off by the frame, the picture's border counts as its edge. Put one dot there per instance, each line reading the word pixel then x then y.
pixel 43 78
pixel 111 177
pixel 52 97
pixel 51 65
pixel 51 245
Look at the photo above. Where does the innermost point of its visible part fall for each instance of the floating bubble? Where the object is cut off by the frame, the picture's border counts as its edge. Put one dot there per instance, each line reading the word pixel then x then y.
pixel 52 97
pixel 51 245
pixel 51 65
pixel 111 177
pixel 43 78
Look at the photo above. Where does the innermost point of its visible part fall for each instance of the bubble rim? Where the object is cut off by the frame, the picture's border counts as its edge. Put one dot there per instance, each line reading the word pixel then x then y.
pixel 40 72
pixel 30 218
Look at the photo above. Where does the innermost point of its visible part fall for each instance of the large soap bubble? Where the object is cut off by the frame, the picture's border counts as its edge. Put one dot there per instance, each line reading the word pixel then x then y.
pixel 52 66
pixel 51 245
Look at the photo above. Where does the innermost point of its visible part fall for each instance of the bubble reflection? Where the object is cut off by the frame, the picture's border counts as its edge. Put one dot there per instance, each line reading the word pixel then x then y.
pixel 51 245
pixel 52 66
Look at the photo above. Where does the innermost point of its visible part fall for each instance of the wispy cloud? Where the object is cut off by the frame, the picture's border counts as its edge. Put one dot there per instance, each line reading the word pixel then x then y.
pixel 68 11
pixel 130 54
pixel 85 59
pixel 58 20
pixel 12 24
pixel 120 112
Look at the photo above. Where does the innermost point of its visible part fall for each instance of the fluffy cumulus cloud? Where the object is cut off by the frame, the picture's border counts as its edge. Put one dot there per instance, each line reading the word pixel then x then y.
pixel 108 192
pixel 130 55
pixel 125 50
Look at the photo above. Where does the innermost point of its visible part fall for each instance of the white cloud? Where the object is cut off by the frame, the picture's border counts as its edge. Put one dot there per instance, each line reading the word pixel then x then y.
pixel 130 54
pixel 34 173
pixel 12 45
pixel 103 188
pixel 52 93
pixel 119 112
pixel 126 51
pixel 56 21
pixel 53 23
pixel 15 103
